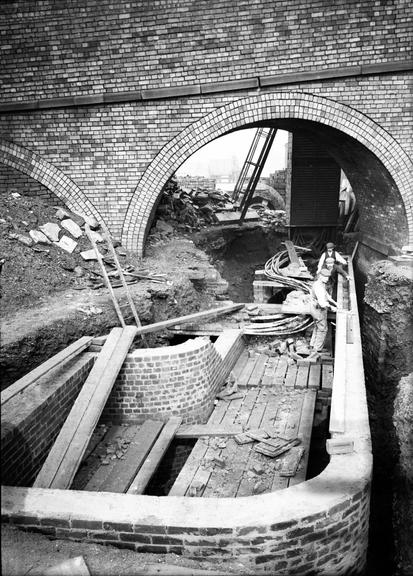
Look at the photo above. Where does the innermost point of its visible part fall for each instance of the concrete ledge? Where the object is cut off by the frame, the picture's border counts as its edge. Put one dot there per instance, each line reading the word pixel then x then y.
pixel 172 92
pixel 311 76
pixel 230 85
pixel 211 88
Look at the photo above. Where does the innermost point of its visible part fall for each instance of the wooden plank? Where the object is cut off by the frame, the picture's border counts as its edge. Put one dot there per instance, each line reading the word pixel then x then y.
pixel 281 371
pixel 99 472
pixel 337 410
pixel 196 430
pixel 240 364
pixel 260 417
pixel 269 373
pixel 350 329
pixel 314 379
pixel 287 426
pixel 67 452
pixel 218 413
pixel 291 376
pixel 121 477
pixel 189 318
pixel 292 254
pixel 94 409
pixel 245 375
pixel 151 463
pixel 304 434
pixel 73 420
pixel 291 461
pixel 258 371
pixel 302 376
pixel 327 377
pixel 187 473
pixel 55 361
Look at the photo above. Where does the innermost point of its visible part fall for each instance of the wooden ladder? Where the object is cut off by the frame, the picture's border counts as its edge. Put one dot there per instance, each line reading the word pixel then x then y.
pixel 116 304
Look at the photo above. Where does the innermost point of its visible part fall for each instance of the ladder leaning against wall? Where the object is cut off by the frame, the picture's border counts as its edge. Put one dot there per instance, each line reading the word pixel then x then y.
pixel 252 168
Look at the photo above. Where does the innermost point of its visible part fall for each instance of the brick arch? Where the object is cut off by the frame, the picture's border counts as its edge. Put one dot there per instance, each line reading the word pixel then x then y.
pixel 51 177
pixel 265 107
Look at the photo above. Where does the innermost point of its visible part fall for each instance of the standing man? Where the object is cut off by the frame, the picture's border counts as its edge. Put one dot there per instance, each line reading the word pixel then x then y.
pixel 321 302
pixel 329 255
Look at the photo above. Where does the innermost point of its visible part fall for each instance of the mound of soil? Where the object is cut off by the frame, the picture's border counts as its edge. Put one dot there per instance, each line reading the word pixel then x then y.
pixel 49 297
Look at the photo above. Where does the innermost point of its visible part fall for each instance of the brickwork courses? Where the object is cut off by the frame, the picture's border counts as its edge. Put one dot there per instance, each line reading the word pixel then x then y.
pixel 96 125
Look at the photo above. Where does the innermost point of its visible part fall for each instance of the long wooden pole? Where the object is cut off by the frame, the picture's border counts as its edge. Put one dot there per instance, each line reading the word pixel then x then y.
pixel 122 278
pixel 105 275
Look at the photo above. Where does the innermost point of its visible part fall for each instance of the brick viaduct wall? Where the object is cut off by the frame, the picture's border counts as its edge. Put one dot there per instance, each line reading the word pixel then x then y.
pixel 104 115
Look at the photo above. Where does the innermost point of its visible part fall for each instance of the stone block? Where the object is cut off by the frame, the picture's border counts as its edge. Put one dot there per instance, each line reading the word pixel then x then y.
pixel 38 237
pixel 66 243
pixel 89 254
pixel 51 230
pixel 73 228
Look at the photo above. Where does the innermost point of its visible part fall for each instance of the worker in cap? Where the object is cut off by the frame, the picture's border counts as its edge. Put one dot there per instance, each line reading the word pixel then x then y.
pixel 339 262
pixel 321 302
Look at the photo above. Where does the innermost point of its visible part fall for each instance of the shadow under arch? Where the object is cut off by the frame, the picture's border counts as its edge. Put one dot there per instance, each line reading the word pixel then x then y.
pixel 55 180
pixel 252 110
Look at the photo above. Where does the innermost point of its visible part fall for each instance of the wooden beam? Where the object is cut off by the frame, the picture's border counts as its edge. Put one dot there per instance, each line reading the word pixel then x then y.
pixel 189 318
pixel 58 359
pixel 292 254
pixel 197 430
pixel 304 434
pixel 125 470
pixel 151 463
pixel 66 454
pixel 337 413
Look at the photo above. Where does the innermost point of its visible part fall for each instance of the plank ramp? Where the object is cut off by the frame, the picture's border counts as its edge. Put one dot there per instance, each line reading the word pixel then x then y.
pixel 152 461
pixel 125 471
pixel 67 452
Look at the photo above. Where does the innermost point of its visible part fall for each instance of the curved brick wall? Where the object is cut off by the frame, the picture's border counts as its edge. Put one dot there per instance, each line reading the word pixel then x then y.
pixel 177 380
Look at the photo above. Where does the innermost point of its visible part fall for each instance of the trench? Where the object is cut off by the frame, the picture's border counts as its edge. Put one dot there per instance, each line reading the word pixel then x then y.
pixel 237 253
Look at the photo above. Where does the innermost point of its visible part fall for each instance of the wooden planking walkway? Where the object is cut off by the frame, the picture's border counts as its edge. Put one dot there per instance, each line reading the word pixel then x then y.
pixel 276 395
pixel 66 454
pixel 121 477
pixel 149 466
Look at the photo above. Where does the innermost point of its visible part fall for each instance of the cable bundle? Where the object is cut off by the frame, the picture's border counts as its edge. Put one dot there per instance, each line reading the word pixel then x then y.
pixel 281 324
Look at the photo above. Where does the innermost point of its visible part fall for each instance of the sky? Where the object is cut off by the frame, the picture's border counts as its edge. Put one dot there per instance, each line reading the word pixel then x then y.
pixel 229 152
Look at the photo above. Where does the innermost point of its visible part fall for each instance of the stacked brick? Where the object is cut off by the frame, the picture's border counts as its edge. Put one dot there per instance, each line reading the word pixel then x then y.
pixel 332 540
pixel 122 46
pixel 31 421
pixel 179 380
pixel 107 118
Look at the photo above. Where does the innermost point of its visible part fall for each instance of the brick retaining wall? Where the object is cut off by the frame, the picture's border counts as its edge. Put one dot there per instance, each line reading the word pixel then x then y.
pixel 320 525
pixel 32 420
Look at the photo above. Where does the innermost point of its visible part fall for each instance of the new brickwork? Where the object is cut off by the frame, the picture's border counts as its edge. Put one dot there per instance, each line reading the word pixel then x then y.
pixel 178 380
pixel 32 420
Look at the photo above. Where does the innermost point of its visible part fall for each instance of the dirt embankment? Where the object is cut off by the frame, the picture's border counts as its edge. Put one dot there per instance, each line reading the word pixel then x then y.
pixel 51 297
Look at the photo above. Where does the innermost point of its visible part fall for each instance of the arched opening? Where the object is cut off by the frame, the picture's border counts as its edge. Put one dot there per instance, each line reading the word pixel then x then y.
pixel 49 177
pixel 375 164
